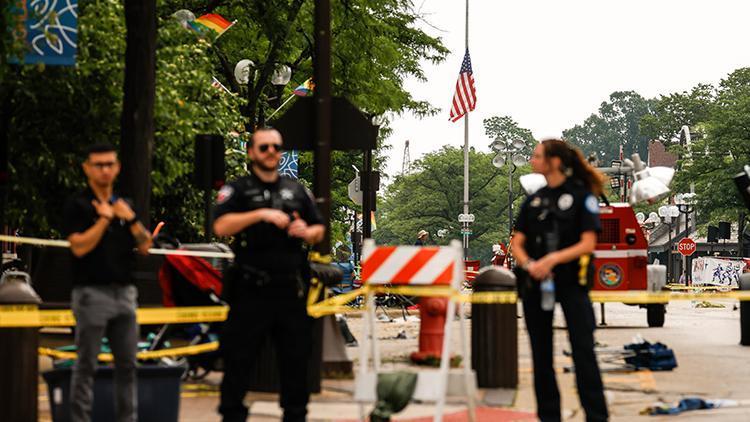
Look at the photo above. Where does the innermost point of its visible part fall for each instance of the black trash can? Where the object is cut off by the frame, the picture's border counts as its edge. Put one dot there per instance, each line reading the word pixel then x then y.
pixel 158 393
pixel 745 312
pixel 19 364
pixel 494 332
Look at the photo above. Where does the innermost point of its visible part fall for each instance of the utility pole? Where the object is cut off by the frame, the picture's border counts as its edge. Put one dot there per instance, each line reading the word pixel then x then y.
pixel 137 119
pixel 322 96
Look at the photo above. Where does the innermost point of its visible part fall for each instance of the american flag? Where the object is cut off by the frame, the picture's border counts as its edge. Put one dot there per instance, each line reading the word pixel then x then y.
pixel 465 98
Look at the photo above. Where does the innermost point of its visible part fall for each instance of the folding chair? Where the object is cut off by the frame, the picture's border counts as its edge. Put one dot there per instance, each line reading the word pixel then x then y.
pixel 417 267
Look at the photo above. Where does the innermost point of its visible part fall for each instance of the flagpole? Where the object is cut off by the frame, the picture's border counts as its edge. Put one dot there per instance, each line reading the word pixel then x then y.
pixel 280 107
pixel 465 226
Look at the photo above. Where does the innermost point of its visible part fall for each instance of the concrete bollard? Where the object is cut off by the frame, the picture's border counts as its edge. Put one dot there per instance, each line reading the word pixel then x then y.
pixel 494 332
pixel 745 312
pixel 19 362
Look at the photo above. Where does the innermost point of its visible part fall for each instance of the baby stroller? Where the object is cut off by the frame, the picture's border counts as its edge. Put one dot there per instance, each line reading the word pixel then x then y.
pixel 193 281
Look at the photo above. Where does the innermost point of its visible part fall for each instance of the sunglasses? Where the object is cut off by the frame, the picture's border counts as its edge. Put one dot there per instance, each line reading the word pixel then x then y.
pixel 266 147
pixel 101 165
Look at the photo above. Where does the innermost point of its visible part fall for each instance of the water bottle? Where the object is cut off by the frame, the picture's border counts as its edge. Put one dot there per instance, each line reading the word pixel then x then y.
pixel 548 294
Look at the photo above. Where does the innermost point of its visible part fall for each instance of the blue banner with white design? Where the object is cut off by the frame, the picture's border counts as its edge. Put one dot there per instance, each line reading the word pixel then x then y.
pixel 289 164
pixel 50 31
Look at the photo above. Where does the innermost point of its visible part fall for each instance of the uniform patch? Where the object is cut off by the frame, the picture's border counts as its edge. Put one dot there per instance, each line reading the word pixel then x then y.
pixel 592 204
pixel 224 194
pixel 610 275
pixel 286 194
pixel 565 201
pixel 537 201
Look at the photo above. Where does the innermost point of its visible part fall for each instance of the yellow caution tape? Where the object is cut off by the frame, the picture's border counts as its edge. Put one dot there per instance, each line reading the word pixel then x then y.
pixel 30 316
pixel 145 355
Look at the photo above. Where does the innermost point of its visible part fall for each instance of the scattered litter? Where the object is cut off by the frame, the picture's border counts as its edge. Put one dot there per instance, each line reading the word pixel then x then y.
pixel 707 304
pixel 634 356
pixel 690 403
pixel 401 335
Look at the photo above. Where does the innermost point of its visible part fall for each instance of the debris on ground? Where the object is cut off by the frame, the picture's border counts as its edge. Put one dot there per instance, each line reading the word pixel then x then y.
pixel 686 404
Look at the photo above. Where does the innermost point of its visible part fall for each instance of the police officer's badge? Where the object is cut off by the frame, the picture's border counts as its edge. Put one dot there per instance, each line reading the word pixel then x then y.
pixel 286 194
pixel 565 201
pixel 225 193
pixel 537 201
pixel 592 204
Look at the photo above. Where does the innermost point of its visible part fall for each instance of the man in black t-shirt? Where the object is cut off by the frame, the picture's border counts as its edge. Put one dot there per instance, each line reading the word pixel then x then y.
pixel 103 232
pixel 270 217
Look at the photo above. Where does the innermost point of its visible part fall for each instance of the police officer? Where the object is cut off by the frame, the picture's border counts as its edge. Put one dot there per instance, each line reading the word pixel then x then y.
pixel 271 218
pixel 555 237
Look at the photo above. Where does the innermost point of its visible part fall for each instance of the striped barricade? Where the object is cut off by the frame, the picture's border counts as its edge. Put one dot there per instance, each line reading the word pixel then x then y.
pixel 435 269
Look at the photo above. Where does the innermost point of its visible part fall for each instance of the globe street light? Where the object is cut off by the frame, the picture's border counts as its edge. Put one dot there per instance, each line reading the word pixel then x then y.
pixel 509 152
pixel 667 213
pixel 684 203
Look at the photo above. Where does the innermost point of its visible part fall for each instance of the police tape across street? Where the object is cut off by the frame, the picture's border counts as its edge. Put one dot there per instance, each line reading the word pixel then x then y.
pixel 19 316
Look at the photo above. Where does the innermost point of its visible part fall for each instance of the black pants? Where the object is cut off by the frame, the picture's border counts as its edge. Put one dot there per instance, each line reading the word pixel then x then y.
pixel 255 313
pixel 579 317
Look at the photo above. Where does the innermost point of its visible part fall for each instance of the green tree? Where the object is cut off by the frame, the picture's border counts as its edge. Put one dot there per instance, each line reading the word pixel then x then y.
pixel 720 154
pixel 617 123
pixel 430 198
pixel 670 112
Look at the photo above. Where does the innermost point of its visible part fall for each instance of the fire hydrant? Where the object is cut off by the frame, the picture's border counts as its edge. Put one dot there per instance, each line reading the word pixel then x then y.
pixel 433 312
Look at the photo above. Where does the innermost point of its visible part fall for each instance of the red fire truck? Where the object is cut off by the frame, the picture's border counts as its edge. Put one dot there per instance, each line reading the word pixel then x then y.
pixel 621 258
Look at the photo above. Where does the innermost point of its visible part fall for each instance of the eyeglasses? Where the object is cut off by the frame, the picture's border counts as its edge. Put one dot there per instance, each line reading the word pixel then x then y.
pixel 101 165
pixel 265 147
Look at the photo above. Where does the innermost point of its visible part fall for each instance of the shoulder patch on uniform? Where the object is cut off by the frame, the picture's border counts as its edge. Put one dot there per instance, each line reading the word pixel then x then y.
pixel 592 204
pixel 224 194
pixel 565 201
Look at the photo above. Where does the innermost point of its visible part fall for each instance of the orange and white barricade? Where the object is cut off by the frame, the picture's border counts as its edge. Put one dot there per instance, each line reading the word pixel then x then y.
pixel 415 266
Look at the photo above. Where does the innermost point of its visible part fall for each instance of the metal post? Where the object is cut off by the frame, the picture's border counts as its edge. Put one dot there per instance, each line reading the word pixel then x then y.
pixel 511 167
pixel 322 154
pixel 465 226
pixel 366 194
pixel 670 272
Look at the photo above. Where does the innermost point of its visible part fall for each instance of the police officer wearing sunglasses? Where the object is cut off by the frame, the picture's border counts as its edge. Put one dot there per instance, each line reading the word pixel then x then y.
pixel 554 239
pixel 271 217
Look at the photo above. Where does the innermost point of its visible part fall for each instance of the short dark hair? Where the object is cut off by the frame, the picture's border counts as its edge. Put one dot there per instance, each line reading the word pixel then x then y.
pixel 260 129
pixel 99 148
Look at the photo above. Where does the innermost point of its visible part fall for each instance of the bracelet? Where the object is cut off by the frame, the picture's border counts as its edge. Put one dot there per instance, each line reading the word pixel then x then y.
pixel 132 221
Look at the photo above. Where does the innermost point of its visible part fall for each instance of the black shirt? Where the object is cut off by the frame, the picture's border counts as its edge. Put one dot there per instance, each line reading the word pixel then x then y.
pixel 112 260
pixel 554 218
pixel 263 245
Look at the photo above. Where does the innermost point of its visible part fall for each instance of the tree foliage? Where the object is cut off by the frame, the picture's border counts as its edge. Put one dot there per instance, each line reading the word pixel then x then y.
pixel 617 123
pixel 710 162
pixel 431 198
pixel 57 111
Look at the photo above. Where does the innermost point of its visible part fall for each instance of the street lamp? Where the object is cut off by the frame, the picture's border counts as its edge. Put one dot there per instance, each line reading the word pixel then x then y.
pixel 667 213
pixel 280 77
pixel 509 152
pixel 684 203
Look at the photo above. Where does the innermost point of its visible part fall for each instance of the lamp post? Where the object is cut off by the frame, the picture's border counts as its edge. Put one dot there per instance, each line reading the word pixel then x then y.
pixel 684 203
pixel 281 76
pixel 667 213
pixel 509 152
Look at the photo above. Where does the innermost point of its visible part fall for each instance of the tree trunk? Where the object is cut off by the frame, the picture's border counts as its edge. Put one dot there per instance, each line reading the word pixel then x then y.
pixel 137 124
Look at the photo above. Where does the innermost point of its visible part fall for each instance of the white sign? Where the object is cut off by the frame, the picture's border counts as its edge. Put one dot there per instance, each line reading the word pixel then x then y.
pixel 717 271
pixel 465 218
pixel 355 194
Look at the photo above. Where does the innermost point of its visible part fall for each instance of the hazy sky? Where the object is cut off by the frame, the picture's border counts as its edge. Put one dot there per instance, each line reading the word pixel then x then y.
pixel 549 64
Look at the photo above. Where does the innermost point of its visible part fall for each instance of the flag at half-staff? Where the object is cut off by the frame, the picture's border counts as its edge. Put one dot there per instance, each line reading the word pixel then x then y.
pixel 465 98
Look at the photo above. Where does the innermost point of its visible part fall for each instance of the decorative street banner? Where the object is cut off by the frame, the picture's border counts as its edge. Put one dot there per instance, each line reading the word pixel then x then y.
pixel 49 29
pixel 289 164
pixel 717 272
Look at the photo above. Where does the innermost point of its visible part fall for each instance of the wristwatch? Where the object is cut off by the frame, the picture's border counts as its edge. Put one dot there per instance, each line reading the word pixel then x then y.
pixel 132 220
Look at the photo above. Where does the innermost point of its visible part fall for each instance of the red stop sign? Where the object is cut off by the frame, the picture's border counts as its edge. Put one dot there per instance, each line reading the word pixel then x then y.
pixel 687 246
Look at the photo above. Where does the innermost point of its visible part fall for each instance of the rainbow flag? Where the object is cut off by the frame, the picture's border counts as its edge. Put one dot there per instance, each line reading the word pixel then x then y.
pixel 373 226
pixel 211 25
pixel 305 89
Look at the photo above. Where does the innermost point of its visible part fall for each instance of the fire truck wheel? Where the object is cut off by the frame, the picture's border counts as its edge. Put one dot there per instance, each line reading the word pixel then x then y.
pixel 655 314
